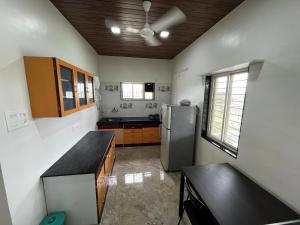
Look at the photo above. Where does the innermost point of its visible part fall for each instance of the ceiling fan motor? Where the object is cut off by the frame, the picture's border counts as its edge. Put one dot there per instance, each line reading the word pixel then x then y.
pixel 146 5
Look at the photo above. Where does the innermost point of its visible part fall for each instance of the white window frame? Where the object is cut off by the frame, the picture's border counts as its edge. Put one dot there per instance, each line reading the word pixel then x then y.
pixel 135 99
pixel 232 150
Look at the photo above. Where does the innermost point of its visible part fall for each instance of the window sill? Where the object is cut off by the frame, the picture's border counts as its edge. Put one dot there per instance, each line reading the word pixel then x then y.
pixel 220 146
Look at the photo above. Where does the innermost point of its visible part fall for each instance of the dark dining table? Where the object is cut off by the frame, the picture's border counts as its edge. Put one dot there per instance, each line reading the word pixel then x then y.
pixel 233 198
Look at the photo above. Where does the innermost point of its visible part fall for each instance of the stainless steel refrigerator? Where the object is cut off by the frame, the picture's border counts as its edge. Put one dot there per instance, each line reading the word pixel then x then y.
pixel 177 136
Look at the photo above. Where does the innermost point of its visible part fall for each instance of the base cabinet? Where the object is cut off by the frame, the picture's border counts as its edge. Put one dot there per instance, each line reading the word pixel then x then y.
pixel 133 136
pixel 136 135
pixel 151 135
pixel 77 195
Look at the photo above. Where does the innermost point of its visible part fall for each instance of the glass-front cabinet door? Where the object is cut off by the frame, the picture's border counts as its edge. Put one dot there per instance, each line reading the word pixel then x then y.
pixel 66 87
pixel 75 88
pixel 90 89
pixel 81 89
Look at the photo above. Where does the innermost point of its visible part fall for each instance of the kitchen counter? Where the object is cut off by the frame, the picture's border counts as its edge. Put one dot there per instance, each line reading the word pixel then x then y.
pixel 132 130
pixel 85 157
pixel 120 121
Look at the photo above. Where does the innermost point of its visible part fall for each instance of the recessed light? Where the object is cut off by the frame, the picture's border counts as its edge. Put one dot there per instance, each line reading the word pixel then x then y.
pixel 164 34
pixel 115 30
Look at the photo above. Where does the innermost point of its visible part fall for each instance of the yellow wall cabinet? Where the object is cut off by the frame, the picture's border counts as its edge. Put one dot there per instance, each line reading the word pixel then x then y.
pixel 57 88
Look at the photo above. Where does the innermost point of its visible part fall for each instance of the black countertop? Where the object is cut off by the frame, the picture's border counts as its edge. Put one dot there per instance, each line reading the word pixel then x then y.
pixel 127 120
pixel 87 156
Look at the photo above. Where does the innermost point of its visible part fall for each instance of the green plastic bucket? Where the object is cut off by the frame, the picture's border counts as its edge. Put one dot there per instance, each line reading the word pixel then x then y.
pixel 57 218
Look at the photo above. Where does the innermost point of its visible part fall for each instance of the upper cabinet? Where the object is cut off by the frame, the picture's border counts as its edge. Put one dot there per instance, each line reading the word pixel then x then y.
pixel 57 88
pixel 66 87
pixel 81 78
pixel 90 89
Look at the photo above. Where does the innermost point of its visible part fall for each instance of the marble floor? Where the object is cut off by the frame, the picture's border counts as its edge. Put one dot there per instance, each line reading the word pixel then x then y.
pixel 140 192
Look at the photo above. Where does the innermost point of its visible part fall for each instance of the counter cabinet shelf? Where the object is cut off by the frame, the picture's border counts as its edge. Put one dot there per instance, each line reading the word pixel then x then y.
pixel 57 88
pixel 78 185
pixel 134 134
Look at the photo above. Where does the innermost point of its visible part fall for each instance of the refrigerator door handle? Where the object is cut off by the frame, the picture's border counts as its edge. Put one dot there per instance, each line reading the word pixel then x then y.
pixel 164 154
pixel 160 115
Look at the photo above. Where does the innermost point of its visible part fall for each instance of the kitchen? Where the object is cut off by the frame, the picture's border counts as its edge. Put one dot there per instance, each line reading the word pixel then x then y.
pixel 107 120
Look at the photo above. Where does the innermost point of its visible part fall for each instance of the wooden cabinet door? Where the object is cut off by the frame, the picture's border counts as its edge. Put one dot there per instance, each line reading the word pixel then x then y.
pixel 81 82
pixel 102 179
pixel 113 150
pixel 133 130
pixel 44 101
pixel 66 87
pixel 151 135
pixel 101 189
pixel 119 136
pixel 133 138
pixel 90 89
pixel 110 158
pixel 108 164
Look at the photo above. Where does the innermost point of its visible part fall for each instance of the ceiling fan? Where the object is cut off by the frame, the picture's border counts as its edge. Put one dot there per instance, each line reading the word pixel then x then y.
pixel 172 17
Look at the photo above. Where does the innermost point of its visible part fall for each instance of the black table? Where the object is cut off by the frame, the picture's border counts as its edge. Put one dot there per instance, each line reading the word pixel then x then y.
pixel 234 199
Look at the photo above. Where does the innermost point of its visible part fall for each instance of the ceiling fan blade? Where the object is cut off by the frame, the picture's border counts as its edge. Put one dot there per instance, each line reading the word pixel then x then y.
pixel 172 17
pixel 111 23
pixel 132 30
pixel 151 40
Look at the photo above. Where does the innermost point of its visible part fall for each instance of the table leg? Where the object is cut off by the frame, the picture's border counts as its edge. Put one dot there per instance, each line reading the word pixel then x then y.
pixel 181 193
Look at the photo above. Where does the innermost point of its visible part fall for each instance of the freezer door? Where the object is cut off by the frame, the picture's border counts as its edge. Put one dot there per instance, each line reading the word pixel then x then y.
pixel 166 116
pixel 164 153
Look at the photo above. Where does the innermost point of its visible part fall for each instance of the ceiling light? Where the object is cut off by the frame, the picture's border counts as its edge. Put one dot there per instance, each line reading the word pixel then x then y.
pixel 164 34
pixel 115 30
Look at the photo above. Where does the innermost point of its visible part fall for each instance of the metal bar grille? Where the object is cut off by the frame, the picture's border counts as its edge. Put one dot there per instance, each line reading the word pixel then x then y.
pixel 226 110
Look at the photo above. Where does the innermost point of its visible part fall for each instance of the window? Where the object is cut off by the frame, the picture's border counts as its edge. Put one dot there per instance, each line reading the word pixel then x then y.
pixel 136 91
pixel 223 109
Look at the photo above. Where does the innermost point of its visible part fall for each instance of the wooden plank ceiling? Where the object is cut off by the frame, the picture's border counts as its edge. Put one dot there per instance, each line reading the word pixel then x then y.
pixel 88 17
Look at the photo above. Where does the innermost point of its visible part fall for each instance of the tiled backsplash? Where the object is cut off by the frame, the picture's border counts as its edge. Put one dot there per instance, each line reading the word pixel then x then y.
pixel 113 106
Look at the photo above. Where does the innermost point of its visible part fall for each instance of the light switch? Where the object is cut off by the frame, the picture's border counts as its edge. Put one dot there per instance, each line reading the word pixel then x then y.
pixel 16 119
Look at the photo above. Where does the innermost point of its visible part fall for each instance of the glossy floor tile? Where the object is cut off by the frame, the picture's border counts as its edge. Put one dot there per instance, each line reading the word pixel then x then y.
pixel 140 192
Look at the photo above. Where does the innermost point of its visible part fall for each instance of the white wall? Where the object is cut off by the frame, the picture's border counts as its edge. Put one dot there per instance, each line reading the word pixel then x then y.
pixel 114 70
pixel 35 27
pixel 269 142
pixel 4 211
